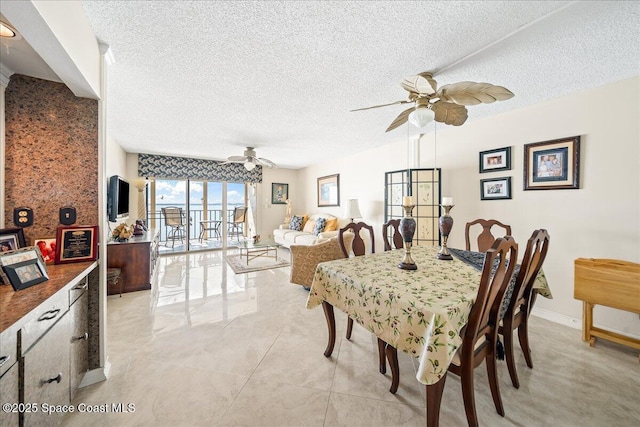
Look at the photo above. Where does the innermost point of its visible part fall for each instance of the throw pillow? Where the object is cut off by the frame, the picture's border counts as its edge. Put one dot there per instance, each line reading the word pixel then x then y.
pixel 296 223
pixel 320 225
pixel 332 224
pixel 309 226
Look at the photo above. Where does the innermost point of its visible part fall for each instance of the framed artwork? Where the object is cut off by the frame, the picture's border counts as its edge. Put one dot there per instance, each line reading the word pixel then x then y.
pixel 27 273
pixel 552 165
pixel 47 247
pixel 279 193
pixel 495 189
pixel 19 256
pixel 329 190
pixel 11 239
pixel 495 160
pixel 76 244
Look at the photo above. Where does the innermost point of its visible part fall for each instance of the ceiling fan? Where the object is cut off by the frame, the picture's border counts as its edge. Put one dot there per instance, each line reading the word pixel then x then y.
pixel 250 160
pixel 445 105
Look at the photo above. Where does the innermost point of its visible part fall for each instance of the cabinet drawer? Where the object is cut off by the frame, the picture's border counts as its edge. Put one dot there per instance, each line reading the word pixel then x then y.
pixel 8 349
pixel 78 290
pixel 43 318
pixel 79 342
pixel 9 394
pixel 46 373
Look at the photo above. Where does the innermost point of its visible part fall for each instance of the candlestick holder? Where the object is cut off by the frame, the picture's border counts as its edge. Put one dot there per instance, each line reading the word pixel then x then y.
pixel 446 223
pixel 407 230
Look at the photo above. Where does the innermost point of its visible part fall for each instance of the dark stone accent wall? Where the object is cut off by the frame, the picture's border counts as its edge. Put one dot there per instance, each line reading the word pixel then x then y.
pixel 51 154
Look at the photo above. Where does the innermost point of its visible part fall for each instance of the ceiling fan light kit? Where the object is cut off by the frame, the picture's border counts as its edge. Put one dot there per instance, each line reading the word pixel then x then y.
pixel 250 161
pixel 445 105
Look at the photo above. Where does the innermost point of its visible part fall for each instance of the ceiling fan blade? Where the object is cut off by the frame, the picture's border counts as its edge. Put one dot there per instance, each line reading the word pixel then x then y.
pixel 449 113
pixel 266 162
pixel 401 119
pixel 429 77
pixel 471 93
pixel 418 84
pixel 237 158
pixel 383 105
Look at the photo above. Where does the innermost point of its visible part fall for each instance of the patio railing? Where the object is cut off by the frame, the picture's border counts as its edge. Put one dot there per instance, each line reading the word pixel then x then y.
pixel 194 217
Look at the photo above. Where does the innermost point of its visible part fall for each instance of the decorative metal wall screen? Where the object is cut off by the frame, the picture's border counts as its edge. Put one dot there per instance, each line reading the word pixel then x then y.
pixel 168 167
pixel 424 186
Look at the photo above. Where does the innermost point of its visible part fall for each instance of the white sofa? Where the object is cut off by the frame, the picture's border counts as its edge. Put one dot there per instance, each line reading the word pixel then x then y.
pixel 287 237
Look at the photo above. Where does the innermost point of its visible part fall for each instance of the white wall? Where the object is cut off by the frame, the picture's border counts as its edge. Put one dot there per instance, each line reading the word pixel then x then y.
pixel 270 216
pixel 599 220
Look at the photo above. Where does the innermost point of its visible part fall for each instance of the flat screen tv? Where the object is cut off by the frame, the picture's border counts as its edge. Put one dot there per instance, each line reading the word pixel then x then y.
pixel 117 198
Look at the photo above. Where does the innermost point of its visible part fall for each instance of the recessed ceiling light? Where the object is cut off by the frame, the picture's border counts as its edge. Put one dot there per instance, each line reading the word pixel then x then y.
pixel 7 30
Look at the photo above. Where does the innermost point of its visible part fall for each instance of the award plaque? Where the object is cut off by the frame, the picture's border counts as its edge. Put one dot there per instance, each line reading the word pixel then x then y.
pixel 76 244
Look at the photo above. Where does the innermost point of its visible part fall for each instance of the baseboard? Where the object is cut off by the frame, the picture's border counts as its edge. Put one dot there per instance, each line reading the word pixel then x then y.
pixel 574 322
pixel 96 375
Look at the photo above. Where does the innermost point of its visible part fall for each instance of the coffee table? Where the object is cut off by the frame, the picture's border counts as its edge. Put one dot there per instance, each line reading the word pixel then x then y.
pixel 263 248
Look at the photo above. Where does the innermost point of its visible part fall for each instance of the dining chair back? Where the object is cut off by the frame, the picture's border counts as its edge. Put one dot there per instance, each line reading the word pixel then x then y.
pixel 481 332
pixel 391 229
pixel 358 248
pixel 486 237
pixel 174 222
pixel 521 301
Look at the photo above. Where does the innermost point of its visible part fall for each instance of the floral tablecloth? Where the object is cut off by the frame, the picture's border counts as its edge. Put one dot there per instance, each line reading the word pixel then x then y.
pixel 420 312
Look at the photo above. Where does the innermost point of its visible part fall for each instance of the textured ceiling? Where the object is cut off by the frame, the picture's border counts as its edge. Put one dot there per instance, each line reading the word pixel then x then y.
pixel 208 78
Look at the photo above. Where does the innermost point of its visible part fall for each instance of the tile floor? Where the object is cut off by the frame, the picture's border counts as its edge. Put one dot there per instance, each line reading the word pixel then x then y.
pixel 208 347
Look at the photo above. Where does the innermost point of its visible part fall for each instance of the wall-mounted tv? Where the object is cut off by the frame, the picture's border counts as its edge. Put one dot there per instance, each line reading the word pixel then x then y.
pixel 117 198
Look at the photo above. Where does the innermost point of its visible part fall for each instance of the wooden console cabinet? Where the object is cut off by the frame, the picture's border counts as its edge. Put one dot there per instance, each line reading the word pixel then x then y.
pixel 608 282
pixel 136 258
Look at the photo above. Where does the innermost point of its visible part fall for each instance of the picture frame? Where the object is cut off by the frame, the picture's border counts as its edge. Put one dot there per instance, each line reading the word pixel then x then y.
pixel 495 188
pixel 552 165
pixel 76 243
pixel 329 190
pixel 47 247
pixel 279 193
pixel 11 239
pixel 495 160
pixel 7 259
pixel 27 273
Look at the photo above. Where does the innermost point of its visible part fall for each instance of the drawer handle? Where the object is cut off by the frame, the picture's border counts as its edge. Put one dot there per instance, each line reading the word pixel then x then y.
pixel 48 315
pixel 84 336
pixel 56 379
pixel 80 287
pixel 4 359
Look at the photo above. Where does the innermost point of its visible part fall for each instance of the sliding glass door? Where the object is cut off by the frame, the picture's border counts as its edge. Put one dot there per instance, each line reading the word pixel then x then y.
pixel 211 214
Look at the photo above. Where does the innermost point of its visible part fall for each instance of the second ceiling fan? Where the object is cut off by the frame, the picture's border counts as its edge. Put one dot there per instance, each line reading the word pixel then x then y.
pixel 446 104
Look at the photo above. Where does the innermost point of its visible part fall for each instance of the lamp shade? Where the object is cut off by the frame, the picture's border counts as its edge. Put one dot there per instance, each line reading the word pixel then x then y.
pixel 353 210
pixel 249 165
pixel 421 116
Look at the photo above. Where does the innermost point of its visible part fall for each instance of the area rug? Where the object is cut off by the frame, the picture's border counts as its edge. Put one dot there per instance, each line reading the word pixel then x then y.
pixel 239 266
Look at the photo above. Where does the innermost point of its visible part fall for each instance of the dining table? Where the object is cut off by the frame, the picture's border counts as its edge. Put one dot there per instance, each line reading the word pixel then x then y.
pixel 420 312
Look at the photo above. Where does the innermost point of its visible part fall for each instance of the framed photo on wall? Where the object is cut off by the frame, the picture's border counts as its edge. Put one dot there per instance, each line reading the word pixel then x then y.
pixel 329 190
pixel 76 244
pixel 495 160
pixel 279 193
pixel 495 189
pixel 552 165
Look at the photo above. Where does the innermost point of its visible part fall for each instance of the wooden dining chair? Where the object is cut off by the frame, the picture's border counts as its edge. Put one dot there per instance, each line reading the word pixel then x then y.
pixel 480 334
pixel 521 301
pixel 391 229
pixel 485 238
pixel 358 248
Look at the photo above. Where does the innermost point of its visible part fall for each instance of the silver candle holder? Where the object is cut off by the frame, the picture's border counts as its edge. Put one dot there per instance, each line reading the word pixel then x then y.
pixel 446 223
pixel 407 230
